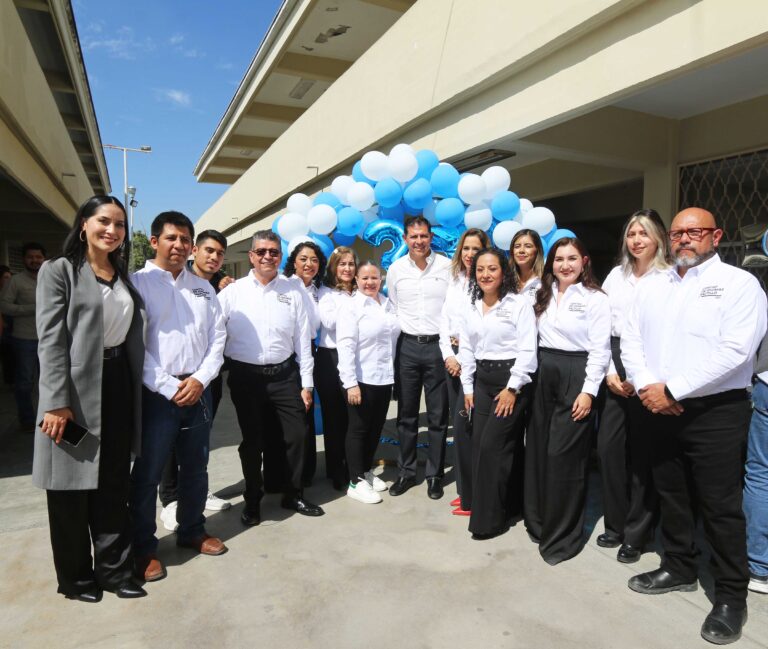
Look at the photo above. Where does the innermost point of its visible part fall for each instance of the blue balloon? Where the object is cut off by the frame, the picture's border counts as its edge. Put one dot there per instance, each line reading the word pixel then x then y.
pixel 559 233
pixel 350 221
pixel 428 162
pixel 418 194
pixel 445 240
pixel 325 243
pixel 449 212
pixel 274 224
pixel 505 206
pixel 343 239
pixel 284 249
pixel 396 213
pixel 359 176
pixel 445 182
pixel 326 198
pixel 388 192
pixel 380 232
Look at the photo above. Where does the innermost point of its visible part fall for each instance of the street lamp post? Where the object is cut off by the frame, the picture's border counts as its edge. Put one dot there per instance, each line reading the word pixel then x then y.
pixel 126 193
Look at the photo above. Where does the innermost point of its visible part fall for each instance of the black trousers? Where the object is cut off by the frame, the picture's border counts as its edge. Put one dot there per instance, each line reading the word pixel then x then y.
pixel 333 405
pixel 98 516
pixel 462 441
pixel 557 456
pixel 421 365
pixel 365 424
pixel 169 481
pixel 494 440
pixel 698 458
pixel 254 394
pixel 630 501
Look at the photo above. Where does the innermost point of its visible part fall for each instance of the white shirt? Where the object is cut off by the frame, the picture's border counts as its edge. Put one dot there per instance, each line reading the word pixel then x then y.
pixel 455 306
pixel 418 295
pixel 117 310
pixel 366 337
pixel 185 332
pixel 506 331
pixel 329 301
pixel 266 324
pixel 581 322
pixel 310 304
pixel 698 334
pixel 530 289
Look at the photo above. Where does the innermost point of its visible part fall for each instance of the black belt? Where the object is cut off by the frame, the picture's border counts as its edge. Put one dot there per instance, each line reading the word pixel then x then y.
pixel 491 364
pixel 729 396
pixel 267 370
pixel 422 339
pixel 112 352
pixel 181 377
pixel 564 352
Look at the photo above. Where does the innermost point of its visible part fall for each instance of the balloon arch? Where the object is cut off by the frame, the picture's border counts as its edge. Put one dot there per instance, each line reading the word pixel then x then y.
pixel 372 203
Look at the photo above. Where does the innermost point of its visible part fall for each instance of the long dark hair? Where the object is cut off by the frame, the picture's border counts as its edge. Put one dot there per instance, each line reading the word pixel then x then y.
pixel 587 279
pixel 74 248
pixel 290 264
pixel 538 264
pixel 507 279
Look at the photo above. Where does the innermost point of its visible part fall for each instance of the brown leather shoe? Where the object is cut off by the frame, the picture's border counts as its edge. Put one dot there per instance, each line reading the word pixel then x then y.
pixel 204 544
pixel 150 568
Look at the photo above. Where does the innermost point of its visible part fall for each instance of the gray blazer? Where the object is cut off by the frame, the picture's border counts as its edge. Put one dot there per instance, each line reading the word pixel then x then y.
pixel 70 327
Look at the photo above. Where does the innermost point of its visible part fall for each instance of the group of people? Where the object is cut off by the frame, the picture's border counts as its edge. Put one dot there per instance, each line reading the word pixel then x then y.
pixel 525 355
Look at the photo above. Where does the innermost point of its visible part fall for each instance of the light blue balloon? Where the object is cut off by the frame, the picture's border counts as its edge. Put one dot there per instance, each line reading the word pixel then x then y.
pixel 445 240
pixel 359 176
pixel 284 249
pixel 380 232
pixel 388 192
pixel 395 213
pixel 350 221
pixel 326 198
pixel 428 162
pixel 445 182
pixel 556 234
pixel 449 212
pixel 325 243
pixel 418 194
pixel 505 206
pixel 343 239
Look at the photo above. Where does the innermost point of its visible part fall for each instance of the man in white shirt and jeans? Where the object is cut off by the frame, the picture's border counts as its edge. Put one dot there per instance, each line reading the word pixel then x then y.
pixel 689 348
pixel 184 352
pixel 417 284
pixel 270 369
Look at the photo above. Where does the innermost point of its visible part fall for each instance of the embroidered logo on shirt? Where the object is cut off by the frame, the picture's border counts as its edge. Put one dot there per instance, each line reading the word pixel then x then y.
pixel 712 291
pixel 577 307
pixel 285 299
pixel 201 292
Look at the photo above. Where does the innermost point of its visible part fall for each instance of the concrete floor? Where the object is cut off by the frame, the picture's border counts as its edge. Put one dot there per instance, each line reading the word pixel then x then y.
pixel 403 574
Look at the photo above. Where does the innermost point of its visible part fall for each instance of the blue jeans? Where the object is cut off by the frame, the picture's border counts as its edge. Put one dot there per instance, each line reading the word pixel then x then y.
pixel 756 483
pixel 26 377
pixel 166 426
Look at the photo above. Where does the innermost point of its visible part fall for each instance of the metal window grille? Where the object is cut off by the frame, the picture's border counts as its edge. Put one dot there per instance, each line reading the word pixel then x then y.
pixel 735 190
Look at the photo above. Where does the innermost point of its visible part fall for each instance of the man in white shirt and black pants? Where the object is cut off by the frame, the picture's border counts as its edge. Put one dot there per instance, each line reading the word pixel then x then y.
pixel 270 369
pixel 184 352
pixel 417 285
pixel 689 349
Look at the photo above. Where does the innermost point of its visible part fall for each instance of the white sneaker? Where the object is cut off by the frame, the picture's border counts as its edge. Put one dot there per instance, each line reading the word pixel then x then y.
pixel 215 504
pixel 168 516
pixel 377 483
pixel 363 492
pixel 758 584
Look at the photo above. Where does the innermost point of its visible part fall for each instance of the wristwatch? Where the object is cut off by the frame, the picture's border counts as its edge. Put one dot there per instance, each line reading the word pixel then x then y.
pixel 514 391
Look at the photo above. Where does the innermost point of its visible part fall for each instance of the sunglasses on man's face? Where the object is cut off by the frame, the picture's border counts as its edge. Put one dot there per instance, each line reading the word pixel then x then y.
pixel 260 252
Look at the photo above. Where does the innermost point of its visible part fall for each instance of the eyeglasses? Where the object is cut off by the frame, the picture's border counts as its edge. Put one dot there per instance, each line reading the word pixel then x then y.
pixel 260 252
pixel 694 234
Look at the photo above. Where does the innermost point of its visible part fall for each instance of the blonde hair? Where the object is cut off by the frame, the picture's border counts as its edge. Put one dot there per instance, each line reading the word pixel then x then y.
pixel 651 222
pixel 457 265
pixel 331 280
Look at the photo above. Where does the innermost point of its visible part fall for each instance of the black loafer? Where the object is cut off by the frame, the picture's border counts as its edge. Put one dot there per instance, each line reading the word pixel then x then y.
pixel 129 590
pixel 401 486
pixel 301 506
pixel 435 488
pixel 723 624
pixel 92 596
pixel 628 554
pixel 659 581
pixel 250 517
pixel 608 541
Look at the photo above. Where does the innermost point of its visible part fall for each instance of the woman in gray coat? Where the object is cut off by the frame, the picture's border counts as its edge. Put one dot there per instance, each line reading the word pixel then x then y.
pixel 90 325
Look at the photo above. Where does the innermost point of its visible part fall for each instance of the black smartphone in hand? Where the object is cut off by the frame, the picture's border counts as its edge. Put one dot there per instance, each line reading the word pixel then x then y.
pixel 73 432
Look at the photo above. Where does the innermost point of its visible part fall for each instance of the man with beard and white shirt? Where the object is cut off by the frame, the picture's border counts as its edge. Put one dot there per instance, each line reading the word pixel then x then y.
pixel 689 348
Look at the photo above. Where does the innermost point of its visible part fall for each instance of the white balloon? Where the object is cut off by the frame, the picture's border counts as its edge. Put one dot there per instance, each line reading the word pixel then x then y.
pixel 322 219
pixel 540 219
pixel 402 147
pixel 370 215
pixel 292 225
pixel 472 188
pixel 503 233
pixel 299 203
pixel 374 165
pixel 525 205
pixel 478 216
pixel 360 196
pixel 429 212
pixel 496 179
pixel 402 166
pixel 296 241
pixel 341 186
